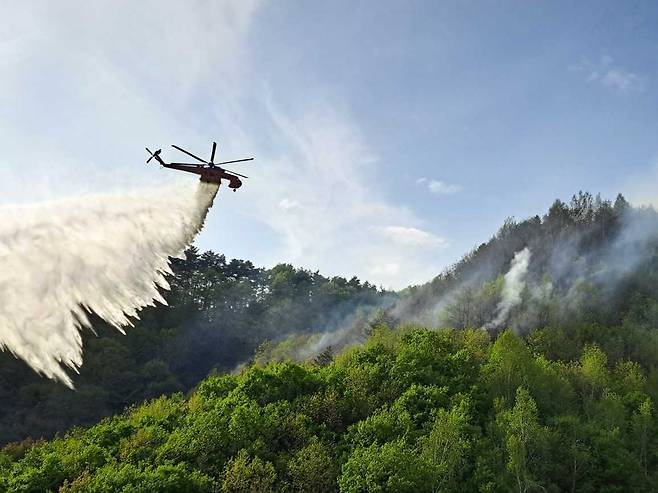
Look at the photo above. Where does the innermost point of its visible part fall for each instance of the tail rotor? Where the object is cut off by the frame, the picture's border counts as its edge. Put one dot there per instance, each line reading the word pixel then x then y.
pixel 153 154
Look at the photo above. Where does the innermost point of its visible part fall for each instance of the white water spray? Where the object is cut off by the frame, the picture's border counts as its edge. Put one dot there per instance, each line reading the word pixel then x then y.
pixel 514 284
pixel 106 254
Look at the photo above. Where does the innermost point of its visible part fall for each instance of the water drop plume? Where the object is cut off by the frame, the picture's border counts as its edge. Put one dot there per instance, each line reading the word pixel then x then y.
pixel 106 254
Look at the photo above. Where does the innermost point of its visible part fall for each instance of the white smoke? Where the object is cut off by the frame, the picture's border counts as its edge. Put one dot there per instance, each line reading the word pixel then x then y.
pixel 514 282
pixel 106 254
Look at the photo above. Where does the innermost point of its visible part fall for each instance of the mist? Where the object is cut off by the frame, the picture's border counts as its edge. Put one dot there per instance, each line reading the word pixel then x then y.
pixel 109 255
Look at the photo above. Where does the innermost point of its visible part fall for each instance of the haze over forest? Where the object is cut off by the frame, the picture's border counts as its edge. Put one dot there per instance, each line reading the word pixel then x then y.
pixel 545 378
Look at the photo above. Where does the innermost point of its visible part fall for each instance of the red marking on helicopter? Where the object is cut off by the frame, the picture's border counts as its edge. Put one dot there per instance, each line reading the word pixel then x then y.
pixel 209 171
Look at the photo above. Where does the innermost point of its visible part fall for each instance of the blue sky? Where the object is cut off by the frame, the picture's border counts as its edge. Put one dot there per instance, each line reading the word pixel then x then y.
pixel 390 137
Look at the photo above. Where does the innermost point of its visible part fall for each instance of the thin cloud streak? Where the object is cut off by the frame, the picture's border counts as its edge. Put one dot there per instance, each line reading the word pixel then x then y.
pixel 438 187
pixel 412 237
pixel 611 75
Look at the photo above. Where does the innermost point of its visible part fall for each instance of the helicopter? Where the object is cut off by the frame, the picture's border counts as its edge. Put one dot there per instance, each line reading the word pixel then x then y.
pixel 209 171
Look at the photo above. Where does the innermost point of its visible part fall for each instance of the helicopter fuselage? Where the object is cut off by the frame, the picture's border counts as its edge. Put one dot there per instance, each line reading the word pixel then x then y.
pixel 209 174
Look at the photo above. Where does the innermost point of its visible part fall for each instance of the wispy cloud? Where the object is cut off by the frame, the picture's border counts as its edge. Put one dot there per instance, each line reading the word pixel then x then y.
pixel 288 204
pixel 387 269
pixel 331 213
pixel 611 75
pixel 412 237
pixel 315 193
pixel 623 80
pixel 439 187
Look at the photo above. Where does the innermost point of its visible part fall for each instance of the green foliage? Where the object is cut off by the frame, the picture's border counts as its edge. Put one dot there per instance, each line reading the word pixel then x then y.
pixel 245 475
pixel 281 381
pixel 445 448
pixel 129 478
pixel 216 387
pixel 523 437
pixel 413 410
pixel 393 467
pixel 384 426
pixel 313 468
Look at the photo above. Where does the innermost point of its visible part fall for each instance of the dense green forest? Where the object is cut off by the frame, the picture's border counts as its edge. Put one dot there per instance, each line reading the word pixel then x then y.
pixel 558 396
pixel 412 410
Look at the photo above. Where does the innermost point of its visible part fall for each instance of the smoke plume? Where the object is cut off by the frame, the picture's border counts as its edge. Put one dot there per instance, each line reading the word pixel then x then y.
pixel 106 254
pixel 514 284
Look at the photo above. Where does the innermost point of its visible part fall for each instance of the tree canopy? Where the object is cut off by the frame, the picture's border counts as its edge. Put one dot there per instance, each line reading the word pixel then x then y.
pixel 412 410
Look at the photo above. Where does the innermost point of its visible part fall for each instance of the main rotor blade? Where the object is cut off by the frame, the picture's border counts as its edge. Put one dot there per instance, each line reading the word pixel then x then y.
pixel 188 164
pixel 237 161
pixel 212 154
pixel 189 154
pixel 234 173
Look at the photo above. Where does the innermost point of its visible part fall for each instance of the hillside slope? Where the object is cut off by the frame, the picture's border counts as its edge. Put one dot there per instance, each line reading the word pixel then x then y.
pixel 589 258
pixel 412 410
pixel 593 265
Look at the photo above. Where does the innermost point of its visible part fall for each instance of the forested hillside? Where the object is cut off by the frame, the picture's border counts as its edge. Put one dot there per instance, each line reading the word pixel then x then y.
pixel 412 410
pixel 551 387
pixel 591 259
pixel 220 312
